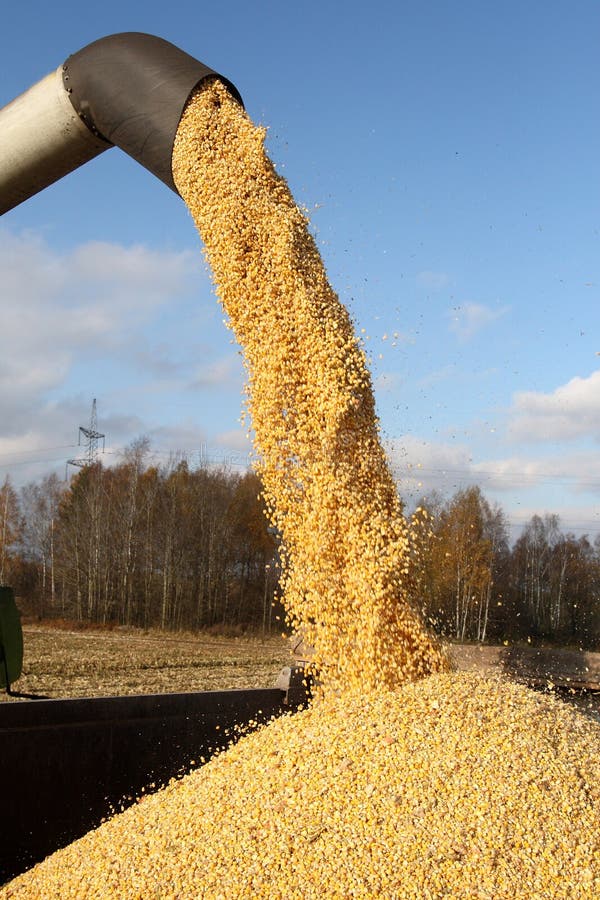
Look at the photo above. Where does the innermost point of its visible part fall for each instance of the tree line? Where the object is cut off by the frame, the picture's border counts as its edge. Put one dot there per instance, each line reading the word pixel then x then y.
pixel 182 547
pixel 172 547
pixel 472 585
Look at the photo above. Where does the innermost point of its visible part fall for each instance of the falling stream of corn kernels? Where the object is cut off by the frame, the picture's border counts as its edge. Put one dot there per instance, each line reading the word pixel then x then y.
pixel 326 479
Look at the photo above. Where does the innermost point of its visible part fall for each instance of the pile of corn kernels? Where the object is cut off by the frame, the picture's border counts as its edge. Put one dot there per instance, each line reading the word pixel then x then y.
pixel 402 780
pixel 451 787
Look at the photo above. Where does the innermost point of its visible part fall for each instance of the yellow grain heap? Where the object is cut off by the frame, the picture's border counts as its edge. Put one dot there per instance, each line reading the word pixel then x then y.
pixel 449 787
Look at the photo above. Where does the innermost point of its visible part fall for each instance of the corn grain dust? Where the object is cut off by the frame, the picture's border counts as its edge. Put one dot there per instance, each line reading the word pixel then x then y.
pixel 448 786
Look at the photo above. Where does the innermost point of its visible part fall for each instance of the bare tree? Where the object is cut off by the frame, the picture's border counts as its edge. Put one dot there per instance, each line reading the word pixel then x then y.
pixel 11 525
pixel 40 503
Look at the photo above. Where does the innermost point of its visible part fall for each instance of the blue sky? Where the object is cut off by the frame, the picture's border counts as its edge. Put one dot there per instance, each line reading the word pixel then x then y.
pixel 447 154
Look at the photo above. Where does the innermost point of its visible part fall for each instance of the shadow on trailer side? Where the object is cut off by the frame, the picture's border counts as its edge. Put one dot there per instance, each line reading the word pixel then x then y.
pixel 68 764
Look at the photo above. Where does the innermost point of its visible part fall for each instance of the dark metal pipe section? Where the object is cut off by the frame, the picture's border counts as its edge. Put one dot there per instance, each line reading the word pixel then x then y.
pixel 131 90
pixel 127 90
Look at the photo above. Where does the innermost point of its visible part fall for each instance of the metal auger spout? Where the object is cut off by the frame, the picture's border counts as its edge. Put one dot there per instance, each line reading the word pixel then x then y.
pixel 126 90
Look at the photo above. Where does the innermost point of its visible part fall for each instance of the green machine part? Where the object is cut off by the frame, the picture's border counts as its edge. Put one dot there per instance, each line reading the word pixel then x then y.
pixel 11 639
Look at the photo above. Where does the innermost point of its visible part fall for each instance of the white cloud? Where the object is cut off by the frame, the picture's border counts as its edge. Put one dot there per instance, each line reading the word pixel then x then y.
pixel 566 484
pixel 470 318
pixel 576 473
pixel 129 279
pixel 183 437
pixel 422 466
pixel 570 411
pixel 55 306
pixel 447 466
pixel 229 448
pixel 59 309
pixel 236 439
pixel 580 519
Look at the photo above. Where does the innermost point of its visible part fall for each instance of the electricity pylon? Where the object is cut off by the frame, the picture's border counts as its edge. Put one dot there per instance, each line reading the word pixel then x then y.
pixel 92 439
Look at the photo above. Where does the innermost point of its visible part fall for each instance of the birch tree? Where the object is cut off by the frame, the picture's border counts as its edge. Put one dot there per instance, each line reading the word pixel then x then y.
pixel 10 531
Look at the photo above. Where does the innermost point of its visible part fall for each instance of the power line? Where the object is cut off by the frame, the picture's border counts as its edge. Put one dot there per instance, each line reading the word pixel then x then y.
pixel 520 479
pixel 238 457
pixel 234 457
pixel 42 449
pixel 34 462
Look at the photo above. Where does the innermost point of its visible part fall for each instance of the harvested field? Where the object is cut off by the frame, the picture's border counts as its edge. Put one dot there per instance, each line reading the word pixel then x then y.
pixel 540 666
pixel 69 662
pixel 572 675
pixel 92 663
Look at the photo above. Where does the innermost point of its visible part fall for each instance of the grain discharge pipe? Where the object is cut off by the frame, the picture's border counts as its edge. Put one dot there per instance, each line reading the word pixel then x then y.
pixel 126 90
